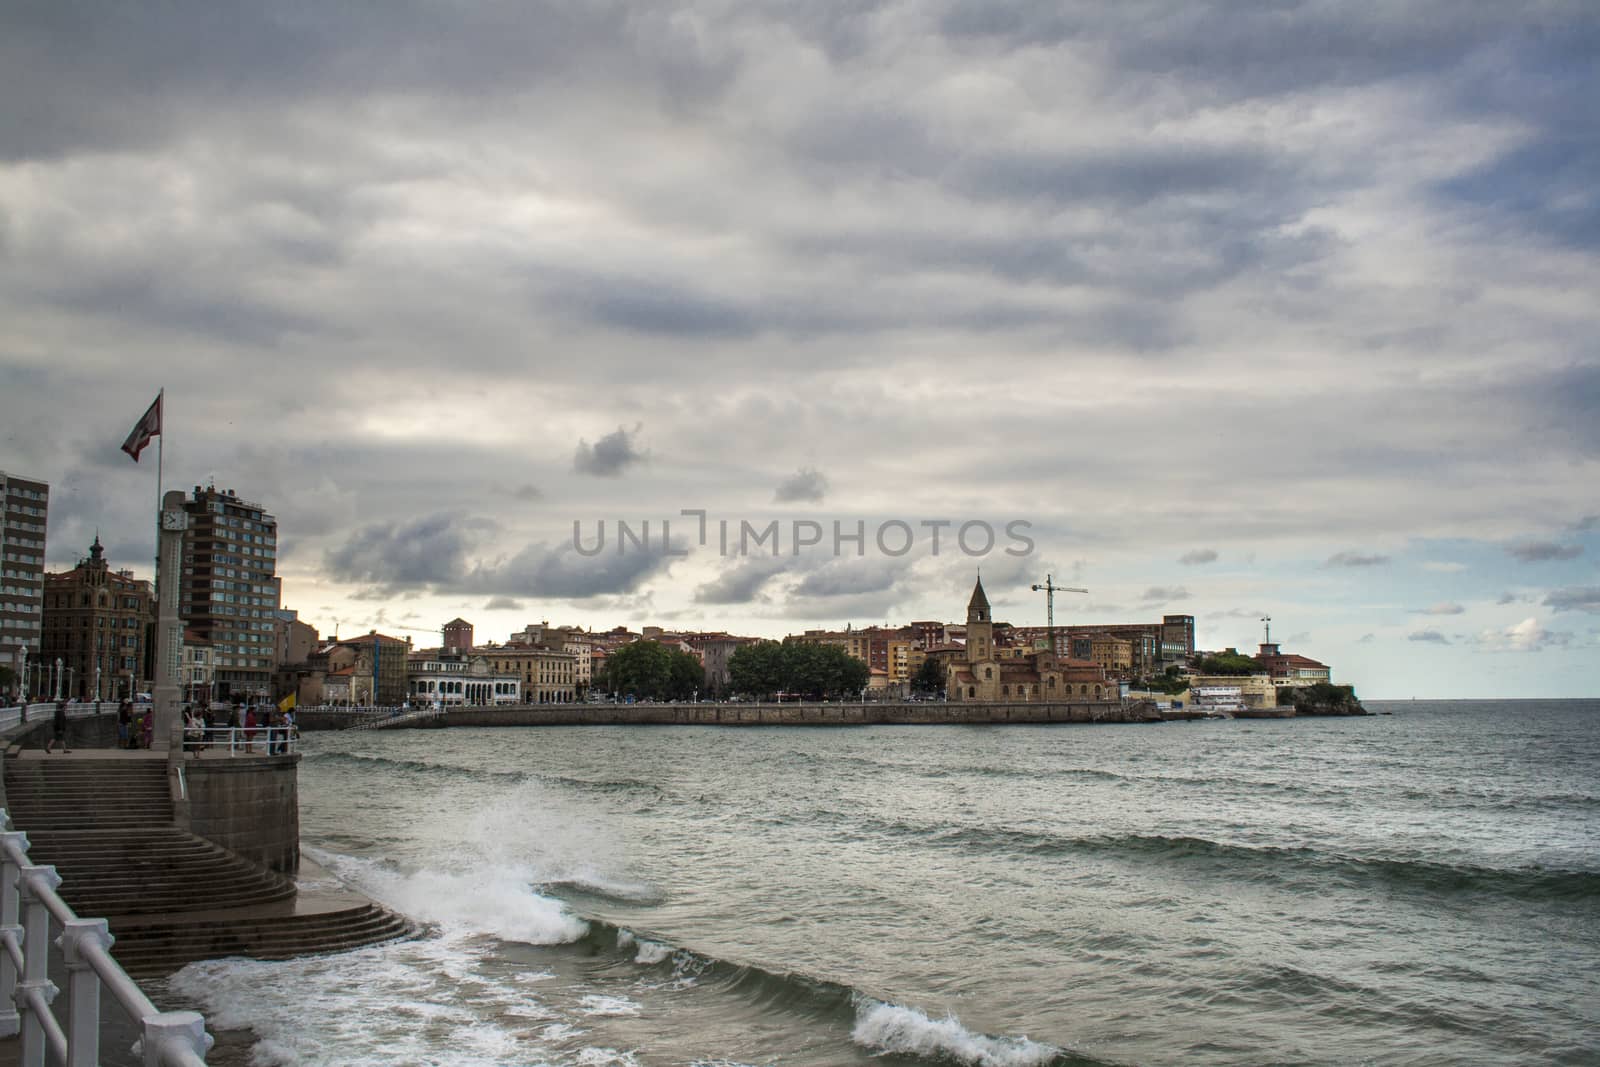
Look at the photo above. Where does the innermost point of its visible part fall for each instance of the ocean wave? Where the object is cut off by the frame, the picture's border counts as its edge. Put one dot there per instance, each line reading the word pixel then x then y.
pixel 428 768
pixel 907 1031
pixel 890 1030
pixel 483 900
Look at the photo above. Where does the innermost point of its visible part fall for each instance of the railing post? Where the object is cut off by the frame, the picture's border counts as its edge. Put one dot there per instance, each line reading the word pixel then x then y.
pixel 35 960
pixel 173 1030
pixel 83 990
pixel 10 923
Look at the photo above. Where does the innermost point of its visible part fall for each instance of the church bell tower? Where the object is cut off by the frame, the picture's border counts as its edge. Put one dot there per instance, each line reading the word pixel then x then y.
pixel 980 627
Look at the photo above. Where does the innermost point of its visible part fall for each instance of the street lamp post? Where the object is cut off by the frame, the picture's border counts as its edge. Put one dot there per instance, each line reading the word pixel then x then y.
pixel 57 686
pixel 23 682
pixel 97 683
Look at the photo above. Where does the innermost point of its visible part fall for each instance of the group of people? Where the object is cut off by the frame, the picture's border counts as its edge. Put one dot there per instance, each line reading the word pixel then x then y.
pixel 274 728
pixel 136 727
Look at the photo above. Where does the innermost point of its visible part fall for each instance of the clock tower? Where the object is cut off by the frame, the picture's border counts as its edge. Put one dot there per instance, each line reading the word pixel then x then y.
pixel 169 625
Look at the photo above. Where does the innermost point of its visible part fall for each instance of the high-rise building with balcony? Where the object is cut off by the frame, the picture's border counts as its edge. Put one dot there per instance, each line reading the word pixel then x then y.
pixel 24 505
pixel 229 593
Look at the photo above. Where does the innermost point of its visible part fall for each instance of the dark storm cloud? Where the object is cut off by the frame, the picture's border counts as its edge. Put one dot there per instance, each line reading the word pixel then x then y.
pixel 71 70
pixel 610 456
pixel 1433 637
pixel 1198 556
pixel 430 551
pixel 1575 598
pixel 1543 551
pixel 851 577
pixel 1355 559
pixel 526 493
pixel 806 484
pixel 502 603
pixel 741 583
pixel 541 572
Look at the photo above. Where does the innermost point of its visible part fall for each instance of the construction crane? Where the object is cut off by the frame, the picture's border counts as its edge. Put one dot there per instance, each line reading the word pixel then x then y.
pixel 1050 589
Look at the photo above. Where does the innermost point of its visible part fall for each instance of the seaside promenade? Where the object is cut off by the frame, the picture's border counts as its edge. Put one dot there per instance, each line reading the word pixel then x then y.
pixel 185 859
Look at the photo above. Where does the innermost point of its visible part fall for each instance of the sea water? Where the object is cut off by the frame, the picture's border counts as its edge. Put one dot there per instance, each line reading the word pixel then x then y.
pixel 1414 888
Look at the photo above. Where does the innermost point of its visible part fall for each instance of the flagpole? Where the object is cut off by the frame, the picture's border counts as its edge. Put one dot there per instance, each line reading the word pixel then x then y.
pixel 161 442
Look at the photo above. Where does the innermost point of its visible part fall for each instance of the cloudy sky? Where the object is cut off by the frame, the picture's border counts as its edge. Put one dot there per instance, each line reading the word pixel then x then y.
pixel 1285 308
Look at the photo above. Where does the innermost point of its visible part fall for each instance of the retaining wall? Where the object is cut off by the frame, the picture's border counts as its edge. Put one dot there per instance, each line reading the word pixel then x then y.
pixel 247 804
pixel 885 714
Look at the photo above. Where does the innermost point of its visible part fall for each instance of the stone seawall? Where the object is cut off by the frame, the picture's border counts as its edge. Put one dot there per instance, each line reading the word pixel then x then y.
pixel 906 714
pixel 249 805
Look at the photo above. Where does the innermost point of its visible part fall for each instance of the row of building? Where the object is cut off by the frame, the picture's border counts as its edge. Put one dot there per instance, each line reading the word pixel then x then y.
pixel 88 633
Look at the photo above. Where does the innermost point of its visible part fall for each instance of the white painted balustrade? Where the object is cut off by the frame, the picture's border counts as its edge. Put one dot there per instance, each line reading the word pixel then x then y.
pixel 28 903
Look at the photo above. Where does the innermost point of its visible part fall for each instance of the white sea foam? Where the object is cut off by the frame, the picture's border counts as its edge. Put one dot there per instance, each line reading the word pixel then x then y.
pixel 606 1057
pixel 483 900
pixel 652 952
pixel 600 1004
pixel 892 1028
pixel 394 1003
pixel 625 940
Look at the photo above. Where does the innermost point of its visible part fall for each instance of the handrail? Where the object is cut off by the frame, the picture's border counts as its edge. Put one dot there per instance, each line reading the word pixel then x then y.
pixel 400 718
pixel 28 902
pixel 244 740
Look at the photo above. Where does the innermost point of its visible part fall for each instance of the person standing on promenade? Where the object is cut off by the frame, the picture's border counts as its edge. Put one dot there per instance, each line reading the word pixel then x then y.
pixel 147 730
pixel 125 724
pixel 58 729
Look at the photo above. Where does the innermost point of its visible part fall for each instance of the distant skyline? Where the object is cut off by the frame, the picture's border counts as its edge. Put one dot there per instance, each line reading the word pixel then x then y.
pixel 1278 311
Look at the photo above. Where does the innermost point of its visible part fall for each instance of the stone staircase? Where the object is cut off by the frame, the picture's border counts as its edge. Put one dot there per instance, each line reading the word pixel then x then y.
pixel 106 824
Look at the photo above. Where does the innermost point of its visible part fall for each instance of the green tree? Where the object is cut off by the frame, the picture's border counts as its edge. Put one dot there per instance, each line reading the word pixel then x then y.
pixel 757 669
pixel 649 670
pixel 929 677
pixel 814 671
pixel 1228 663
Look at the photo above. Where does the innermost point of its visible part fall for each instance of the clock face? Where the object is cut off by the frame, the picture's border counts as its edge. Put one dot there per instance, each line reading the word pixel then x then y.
pixel 174 520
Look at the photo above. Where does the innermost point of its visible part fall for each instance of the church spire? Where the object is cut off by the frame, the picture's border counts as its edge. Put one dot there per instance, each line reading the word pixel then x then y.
pixel 978 606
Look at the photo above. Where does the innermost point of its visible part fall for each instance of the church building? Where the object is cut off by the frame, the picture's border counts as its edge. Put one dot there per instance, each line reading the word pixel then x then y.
pixel 989 675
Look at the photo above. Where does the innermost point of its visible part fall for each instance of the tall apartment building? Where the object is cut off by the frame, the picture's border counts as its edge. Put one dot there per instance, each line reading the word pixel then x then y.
pixel 229 590
pixel 24 505
pixel 97 622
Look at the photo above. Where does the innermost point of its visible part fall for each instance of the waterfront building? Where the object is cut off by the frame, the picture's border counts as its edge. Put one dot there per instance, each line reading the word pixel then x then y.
pixel 97 622
pixel 463 679
pixel 229 592
pixel 24 510
pixel 547 675
pixel 293 640
pixel 1288 669
pixel 1017 673
pixel 716 649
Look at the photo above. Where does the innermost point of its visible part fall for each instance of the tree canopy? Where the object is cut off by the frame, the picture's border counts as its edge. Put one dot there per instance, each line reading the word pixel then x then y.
pixel 929 677
pixel 1228 663
pixel 649 670
pixel 814 671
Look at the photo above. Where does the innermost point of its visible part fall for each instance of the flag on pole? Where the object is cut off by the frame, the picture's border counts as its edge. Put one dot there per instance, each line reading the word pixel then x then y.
pixel 147 427
pixel 287 703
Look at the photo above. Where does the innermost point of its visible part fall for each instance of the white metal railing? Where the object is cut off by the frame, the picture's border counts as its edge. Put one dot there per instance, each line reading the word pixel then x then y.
pixel 400 718
pixel 42 712
pixel 28 903
pixel 243 740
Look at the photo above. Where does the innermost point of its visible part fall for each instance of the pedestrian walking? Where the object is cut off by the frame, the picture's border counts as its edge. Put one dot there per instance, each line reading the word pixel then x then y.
pixel 58 729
